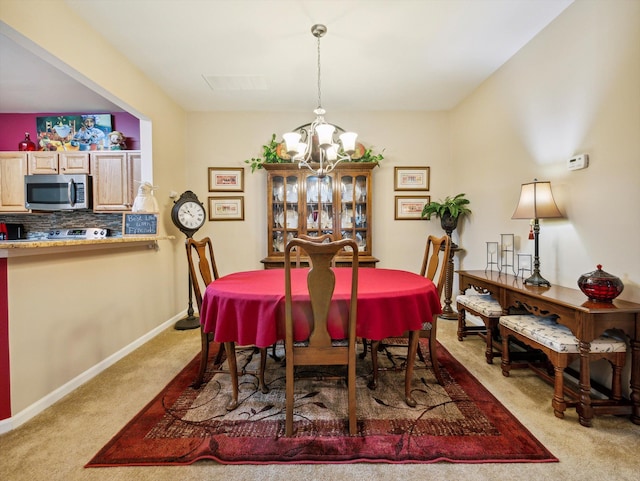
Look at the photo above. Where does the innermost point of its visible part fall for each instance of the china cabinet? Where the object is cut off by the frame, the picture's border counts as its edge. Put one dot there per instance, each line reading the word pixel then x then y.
pixel 301 202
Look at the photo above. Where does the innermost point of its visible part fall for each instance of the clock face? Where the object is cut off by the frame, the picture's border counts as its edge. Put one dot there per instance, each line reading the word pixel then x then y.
pixel 191 215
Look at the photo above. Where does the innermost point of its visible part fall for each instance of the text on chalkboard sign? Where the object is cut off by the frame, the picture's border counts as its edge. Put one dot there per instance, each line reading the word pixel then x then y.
pixel 140 224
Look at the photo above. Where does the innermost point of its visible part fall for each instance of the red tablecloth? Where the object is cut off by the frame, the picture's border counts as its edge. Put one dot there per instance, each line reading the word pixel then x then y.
pixel 248 307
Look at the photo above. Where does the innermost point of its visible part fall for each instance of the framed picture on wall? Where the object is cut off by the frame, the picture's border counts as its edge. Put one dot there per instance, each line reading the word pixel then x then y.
pixel 226 179
pixel 74 132
pixel 411 178
pixel 410 207
pixel 226 208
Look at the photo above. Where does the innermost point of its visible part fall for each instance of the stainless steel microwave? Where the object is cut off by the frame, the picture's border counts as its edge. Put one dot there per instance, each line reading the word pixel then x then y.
pixel 57 192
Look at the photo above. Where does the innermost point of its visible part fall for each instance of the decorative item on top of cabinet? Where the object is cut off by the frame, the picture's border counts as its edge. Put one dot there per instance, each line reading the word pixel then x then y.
pixel 56 162
pixel 13 168
pixel 116 176
pixel 301 202
pixel 27 144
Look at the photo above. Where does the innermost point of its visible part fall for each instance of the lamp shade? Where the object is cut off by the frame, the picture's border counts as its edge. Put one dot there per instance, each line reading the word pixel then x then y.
pixel 536 202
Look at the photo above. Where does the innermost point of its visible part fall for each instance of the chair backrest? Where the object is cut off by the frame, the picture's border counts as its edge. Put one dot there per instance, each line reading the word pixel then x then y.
pixel 321 238
pixel 320 283
pixel 203 271
pixel 434 263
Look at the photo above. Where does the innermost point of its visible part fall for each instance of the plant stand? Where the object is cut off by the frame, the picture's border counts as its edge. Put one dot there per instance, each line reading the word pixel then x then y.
pixel 447 311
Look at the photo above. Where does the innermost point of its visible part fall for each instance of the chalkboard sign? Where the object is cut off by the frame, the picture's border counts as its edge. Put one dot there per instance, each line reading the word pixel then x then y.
pixel 140 224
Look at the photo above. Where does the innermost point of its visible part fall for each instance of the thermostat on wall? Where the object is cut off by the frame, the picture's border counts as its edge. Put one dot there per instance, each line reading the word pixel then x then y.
pixel 578 162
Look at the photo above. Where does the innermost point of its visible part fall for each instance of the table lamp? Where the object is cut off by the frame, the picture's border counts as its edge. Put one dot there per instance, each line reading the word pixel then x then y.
pixel 536 202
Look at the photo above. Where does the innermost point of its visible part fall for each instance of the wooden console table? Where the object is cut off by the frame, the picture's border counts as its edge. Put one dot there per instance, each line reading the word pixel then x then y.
pixel 586 319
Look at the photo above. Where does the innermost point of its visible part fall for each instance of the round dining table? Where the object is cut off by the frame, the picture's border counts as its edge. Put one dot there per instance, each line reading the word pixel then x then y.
pixel 247 308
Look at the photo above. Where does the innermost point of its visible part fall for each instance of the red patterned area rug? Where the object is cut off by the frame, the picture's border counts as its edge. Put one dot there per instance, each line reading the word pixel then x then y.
pixel 460 422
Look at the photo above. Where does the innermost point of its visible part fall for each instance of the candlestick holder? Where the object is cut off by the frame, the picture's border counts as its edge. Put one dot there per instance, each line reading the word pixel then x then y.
pixel 524 265
pixel 507 252
pixel 492 257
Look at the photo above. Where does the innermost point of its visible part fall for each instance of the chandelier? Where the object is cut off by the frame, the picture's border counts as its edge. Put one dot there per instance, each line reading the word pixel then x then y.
pixel 316 143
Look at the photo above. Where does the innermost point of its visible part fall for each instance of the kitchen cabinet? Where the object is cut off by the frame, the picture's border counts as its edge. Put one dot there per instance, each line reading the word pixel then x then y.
pixel 301 202
pixel 13 168
pixel 55 162
pixel 116 175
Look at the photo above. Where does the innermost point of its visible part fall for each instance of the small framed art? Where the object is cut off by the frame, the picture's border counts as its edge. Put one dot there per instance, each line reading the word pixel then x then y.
pixel 226 179
pixel 411 178
pixel 410 207
pixel 226 208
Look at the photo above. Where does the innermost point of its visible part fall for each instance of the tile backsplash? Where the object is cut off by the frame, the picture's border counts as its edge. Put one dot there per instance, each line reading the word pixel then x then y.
pixel 37 226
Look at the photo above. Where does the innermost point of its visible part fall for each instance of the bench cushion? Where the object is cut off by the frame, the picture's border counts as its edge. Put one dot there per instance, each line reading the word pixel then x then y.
pixel 547 332
pixel 481 303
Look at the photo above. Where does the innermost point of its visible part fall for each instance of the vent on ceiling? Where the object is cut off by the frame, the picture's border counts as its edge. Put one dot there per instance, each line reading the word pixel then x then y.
pixel 236 82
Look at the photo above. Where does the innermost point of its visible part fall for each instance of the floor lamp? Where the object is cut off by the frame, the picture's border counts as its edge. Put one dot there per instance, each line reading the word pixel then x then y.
pixel 536 202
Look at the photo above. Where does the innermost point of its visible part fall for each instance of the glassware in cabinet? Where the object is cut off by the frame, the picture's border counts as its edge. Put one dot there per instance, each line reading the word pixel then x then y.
pixel 319 205
pixel 337 204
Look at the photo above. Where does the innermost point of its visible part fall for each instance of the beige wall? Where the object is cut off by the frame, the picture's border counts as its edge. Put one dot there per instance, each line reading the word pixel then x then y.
pixel 67 313
pixel 227 139
pixel 573 89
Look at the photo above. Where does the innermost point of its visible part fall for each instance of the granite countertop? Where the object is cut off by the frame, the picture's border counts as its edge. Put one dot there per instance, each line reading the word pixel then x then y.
pixel 22 247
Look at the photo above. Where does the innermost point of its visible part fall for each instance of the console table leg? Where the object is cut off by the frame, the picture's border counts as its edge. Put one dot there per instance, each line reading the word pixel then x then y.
pixel 585 410
pixel 635 379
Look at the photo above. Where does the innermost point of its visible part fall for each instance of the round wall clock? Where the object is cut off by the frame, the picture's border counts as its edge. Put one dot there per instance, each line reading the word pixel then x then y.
pixel 188 213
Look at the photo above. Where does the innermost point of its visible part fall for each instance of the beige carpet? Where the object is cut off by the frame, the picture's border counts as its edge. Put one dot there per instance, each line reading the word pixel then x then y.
pixel 56 444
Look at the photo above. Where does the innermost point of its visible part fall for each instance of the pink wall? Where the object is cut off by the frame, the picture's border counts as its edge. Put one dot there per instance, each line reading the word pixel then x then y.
pixel 13 127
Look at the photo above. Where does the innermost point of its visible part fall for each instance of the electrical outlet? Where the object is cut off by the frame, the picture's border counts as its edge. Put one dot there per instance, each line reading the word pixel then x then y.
pixel 578 162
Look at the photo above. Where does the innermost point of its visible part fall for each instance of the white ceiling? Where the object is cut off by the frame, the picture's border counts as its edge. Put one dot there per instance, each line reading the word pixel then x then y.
pixel 378 55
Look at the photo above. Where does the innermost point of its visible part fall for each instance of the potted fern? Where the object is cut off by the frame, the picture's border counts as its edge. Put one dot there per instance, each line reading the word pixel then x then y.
pixel 448 211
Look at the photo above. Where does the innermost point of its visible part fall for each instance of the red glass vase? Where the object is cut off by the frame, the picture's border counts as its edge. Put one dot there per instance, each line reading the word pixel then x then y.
pixel 600 286
pixel 27 144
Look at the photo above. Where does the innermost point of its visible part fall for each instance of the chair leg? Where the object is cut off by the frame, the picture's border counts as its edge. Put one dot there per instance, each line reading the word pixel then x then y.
pixel 461 323
pixel 506 361
pixel 233 371
pixel 263 365
pixel 373 384
pixel 489 350
pixel 433 354
pixel 204 357
pixel 351 386
pixel 414 339
pixel 289 391
pixel 363 354
pixel 616 379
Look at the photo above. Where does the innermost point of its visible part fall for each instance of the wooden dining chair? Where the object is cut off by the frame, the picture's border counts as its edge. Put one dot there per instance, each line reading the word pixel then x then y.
pixel 203 271
pixel 319 349
pixel 434 267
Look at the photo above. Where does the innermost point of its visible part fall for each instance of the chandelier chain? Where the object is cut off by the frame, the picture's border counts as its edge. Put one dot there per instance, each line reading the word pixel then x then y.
pixel 319 89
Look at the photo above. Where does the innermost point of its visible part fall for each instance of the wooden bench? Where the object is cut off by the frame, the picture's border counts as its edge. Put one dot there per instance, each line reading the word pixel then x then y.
pixel 561 348
pixel 486 308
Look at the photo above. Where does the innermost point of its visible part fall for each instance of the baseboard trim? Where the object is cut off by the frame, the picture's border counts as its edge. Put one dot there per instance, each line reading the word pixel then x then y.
pixel 36 408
